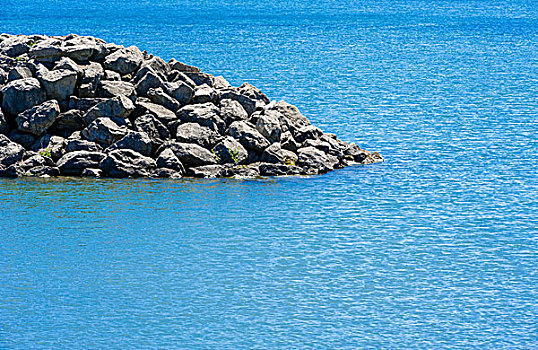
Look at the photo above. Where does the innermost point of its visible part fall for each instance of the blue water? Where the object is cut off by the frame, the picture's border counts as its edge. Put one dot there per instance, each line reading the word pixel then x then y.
pixel 435 248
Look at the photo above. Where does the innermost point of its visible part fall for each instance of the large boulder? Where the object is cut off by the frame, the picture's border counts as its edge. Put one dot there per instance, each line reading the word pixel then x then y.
pixel 268 125
pixel 73 145
pixel 38 119
pixel 22 94
pixel 58 84
pixel 206 114
pixel 207 171
pixel 19 72
pixel 204 94
pixel 52 145
pixel 92 74
pixel 248 136
pixel 150 125
pixel 119 106
pixel 74 163
pixel 135 140
pixel 273 154
pixel 247 103
pixel 46 51
pixel 105 131
pixel 163 114
pixel 112 88
pixel 232 111
pixel 182 67
pixel 191 154
pixel 195 133
pixel 315 160
pixel 69 121
pixel 4 125
pixel 127 163
pixel 291 116
pixel 160 97
pixel 10 152
pixel 180 90
pixel 83 48
pixel 149 81
pixel 15 45
pixel 124 61
pixel 167 159
pixel 230 150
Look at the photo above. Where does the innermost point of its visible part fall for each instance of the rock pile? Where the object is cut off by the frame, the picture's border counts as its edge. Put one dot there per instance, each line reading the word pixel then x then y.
pixel 78 106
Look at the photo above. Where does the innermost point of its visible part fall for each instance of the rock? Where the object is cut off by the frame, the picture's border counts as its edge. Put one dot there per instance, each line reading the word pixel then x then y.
pixel 207 171
pixel 291 115
pixel 83 104
pixel 309 132
pixel 38 119
pixel 43 171
pixel 10 152
pixel 314 159
pixel 231 111
pixel 89 172
pixel 46 51
pixel 160 97
pixel 135 140
pixel 119 107
pixel 273 154
pixel 74 163
pixel 253 93
pixel 22 94
pixel 176 76
pixel 179 90
pixel 52 145
pixel 22 138
pixel 242 172
pixel 92 74
pixel 166 173
pixel 148 81
pixel 152 127
pixel 323 146
pixel 159 66
pixel 111 88
pixel 105 131
pixel 195 133
pixel 111 75
pixel 19 72
pixel 58 84
pixel 230 150
pixel 269 169
pixel 127 163
pixel 3 77
pixel 191 155
pixel 12 171
pixel 204 94
pixel 248 104
pixel 164 115
pixel 288 142
pixel 65 63
pixel 69 121
pixel 249 137
pixel 201 78
pixel 83 48
pixel 182 67
pixel 73 145
pixel 4 125
pixel 290 158
pixel 220 83
pixel 206 114
pixel 268 125
pixel 124 61
pixel 167 159
pixel 15 46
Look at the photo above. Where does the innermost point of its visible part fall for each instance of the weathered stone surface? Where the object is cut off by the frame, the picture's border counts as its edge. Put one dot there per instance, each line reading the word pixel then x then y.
pixel 10 152
pixel 160 97
pixel 22 94
pixel 4 126
pixel 291 115
pixel 248 136
pixel 19 72
pixel 46 51
pixel 231 111
pixel 135 140
pixel 206 114
pixel 74 163
pixel 271 169
pixel 248 104
pixel 38 119
pixel 164 115
pixel 15 46
pixel 167 159
pixel 195 133
pixel 105 131
pixel 254 93
pixel 90 172
pixel 273 154
pixel 127 163
pixel 50 144
pixel 179 90
pixel 159 66
pixel 207 171
pixel 313 158
pixel 152 127
pixel 182 67
pixel 119 106
pixel 288 142
pixel 268 125
pixel 83 48
pixel 166 173
pixel 73 145
pixel 83 104
pixel 309 132
pixel 58 84
pixel 43 171
pixel 230 150
pixel 22 138
pixel 204 94
pixel 92 74
pixel 148 81
pixel 124 61
pixel 111 75
pixel 190 154
pixel 69 121
pixel 65 63
pixel 112 88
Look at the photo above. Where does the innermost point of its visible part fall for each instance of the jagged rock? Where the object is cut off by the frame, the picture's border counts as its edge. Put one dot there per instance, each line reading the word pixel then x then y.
pixel 19 72
pixel 159 66
pixel 166 173
pixel 10 152
pixel 12 171
pixel 38 119
pixel 179 90
pixel 288 142
pixel 204 94
pixel 127 163
pixel 35 160
pixel 69 121
pixel 164 115
pixel 4 125
pixel 268 125
pixel 220 83
pixel 309 132
pixel 314 159
pixel 58 84
pixel 176 76
pixel 92 74
pixel 201 78
pixel 65 63
pixel 273 154
pixel 248 136
pixel 89 172
pixel 135 140
pixel 231 111
pixel 254 93
pixel 22 138
pixel 84 104
pixel 112 88
pixel 325 147
pixel 167 159
pixel 124 61
pixel 111 75
pixel 291 115
pixel 270 169
pixel 43 171
pixel 83 48
pixel 160 97
pixel 152 127
pixel 195 133
pixel 206 114
pixel 148 81
pixel 242 172
pixel 207 171
pixel 248 104
pixel 15 46
pixel 3 77
pixel 73 145
pixel 119 106
pixel 46 51
pixel 230 150
pixel 105 131
pixel 190 154
pixel 182 67
pixel 74 163
pixel 290 158
pixel 50 144
pixel 22 94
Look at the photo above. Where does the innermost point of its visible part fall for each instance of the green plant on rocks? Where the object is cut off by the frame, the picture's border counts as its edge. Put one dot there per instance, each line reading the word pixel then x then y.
pixel 234 152
pixel 289 161
pixel 45 152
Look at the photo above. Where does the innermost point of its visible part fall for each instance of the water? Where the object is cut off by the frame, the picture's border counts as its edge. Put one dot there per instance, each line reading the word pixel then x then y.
pixel 435 248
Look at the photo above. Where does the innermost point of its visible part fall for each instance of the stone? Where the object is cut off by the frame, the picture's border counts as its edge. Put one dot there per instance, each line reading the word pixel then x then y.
pixel 43 171
pixel 4 125
pixel 22 94
pixel 248 136
pixel 152 127
pixel 182 67
pixel 325 147
pixel 65 63
pixel 273 154
pixel 204 94
pixel 127 163
pixel 124 61
pixel 74 163
pixel 159 66
pixel 270 169
pixel 231 151
pixel 288 142
pixel 268 125
pixel 90 172
pixel 38 119
pixel 46 51
pixel 12 171
pixel 220 83
pixel 119 107
pixel 111 75
pixel 167 159
pixel 206 114
pixel 51 144
pixel 254 93
pixel 105 131
pixel 248 104
pixel 112 88
pixel 231 111
pixel 92 74
pixel 164 115
pixel 198 134
pixel 15 46
pixel 3 77
pixel 69 121
pixel 148 81
pixel 179 90
pixel 314 159
pixel 10 152
pixel 242 172
pixel 160 97
pixel 309 132
pixel 135 140
pixel 291 115
pixel 58 84
pixel 190 154
pixel 19 72
pixel 207 171
pixel 83 104
pixel 23 138
pixel 83 48
pixel 73 145
pixel 166 173
pixel 201 78
pixel 176 76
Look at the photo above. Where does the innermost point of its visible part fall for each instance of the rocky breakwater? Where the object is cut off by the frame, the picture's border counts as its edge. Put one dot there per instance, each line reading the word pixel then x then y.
pixel 78 106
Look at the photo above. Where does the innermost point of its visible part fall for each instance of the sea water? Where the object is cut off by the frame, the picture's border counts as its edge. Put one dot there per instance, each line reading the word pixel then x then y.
pixel 437 247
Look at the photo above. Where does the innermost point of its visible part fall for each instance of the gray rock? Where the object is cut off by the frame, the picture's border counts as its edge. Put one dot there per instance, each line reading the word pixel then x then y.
pixel 249 137
pixel 65 63
pixel 112 88
pixel 195 133
pixel 273 154
pixel 204 94
pixel 92 74
pixel 69 121
pixel 164 115
pixel 74 163
pixel 22 94
pixel 309 132
pixel 230 150
pixel 268 125
pixel 83 104
pixel 111 75
pixel 4 125
pixel 15 46
pixel 220 83
pixel 182 67
pixel 176 76
pixel 190 154
pixel 82 49
pixel 46 51
pixel 38 119
pixel 119 106
pixel 73 145
pixel 206 114
pixel 89 172
pixel 105 131
pixel 180 90
pixel 19 72
pixel 291 115
pixel 254 93
pixel 314 159
pixel 50 144
pixel 270 169
pixel 3 77
pixel 160 97
pixel 323 146
pixel 231 111
pixel 10 152
pixel 166 173
pixel 124 61
pixel 127 163
pixel 58 84
pixel 152 127
pixel 159 66
pixel 201 78
pixel 167 159
pixel 43 171
pixel 23 138
pixel 148 81
pixel 207 171
pixel 35 161
pixel 135 140
pixel 248 104
pixel 288 142
pixel 242 172
pixel 290 158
